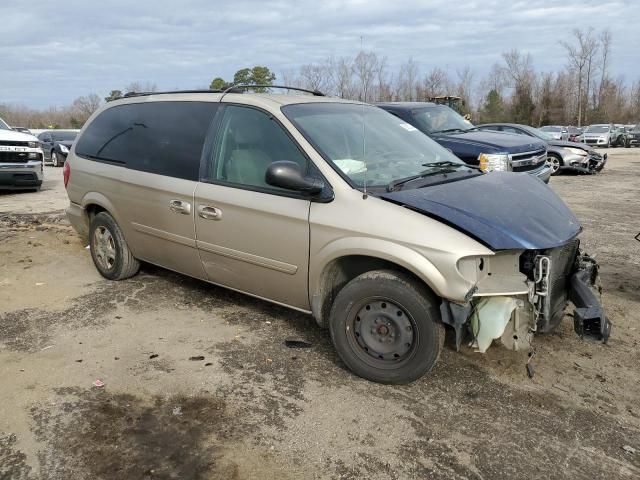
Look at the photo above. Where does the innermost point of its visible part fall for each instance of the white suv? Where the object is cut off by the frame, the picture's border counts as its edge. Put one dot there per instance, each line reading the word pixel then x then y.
pixel 20 160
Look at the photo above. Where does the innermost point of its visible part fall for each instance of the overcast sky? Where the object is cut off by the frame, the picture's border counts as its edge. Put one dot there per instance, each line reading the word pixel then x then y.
pixel 54 51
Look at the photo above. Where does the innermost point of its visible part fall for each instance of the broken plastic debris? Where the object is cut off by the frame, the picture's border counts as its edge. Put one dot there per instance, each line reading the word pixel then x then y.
pixel 197 358
pixel 155 355
pixel 530 371
pixel 47 348
pixel 87 247
pixel 629 449
pixel 39 284
pixel 98 383
pixel 177 411
pixel 297 344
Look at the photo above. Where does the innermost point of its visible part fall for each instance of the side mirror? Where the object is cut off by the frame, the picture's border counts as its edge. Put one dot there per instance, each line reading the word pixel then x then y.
pixel 286 174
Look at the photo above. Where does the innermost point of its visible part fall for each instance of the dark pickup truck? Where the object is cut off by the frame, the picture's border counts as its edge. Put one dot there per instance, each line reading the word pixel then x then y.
pixel 491 151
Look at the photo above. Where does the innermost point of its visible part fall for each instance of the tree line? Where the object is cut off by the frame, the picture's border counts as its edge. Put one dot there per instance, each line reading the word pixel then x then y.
pixel 582 92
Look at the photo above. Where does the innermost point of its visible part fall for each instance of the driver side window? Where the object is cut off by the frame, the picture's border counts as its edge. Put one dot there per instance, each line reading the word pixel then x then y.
pixel 249 141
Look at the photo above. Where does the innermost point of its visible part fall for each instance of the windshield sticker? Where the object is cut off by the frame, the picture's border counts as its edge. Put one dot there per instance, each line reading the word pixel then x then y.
pixel 408 128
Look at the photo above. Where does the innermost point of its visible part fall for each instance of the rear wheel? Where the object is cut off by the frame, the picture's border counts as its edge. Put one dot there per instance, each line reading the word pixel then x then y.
pixel 109 250
pixel 385 327
pixel 54 159
pixel 556 162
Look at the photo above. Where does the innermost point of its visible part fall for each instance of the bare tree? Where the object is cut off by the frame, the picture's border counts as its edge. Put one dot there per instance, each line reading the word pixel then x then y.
pixel 581 55
pixel 435 83
pixel 341 74
pixel 605 52
pixel 407 81
pixel 364 68
pixel 464 85
pixel 141 87
pixel 85 106
pixel 314 77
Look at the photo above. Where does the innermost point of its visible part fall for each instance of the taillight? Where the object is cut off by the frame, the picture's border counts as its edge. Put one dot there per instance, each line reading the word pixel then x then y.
pixel 66 173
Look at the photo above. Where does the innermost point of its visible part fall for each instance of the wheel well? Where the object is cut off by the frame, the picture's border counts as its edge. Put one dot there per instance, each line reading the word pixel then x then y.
pixel 341 271
pixel 93 209
pixel 555 155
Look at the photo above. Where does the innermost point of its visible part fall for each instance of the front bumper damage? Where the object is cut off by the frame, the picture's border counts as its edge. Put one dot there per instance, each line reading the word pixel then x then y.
pixel 589 165
pixel 521 293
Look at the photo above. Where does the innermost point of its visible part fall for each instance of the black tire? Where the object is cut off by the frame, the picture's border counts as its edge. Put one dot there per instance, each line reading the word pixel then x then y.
pixel 627 144
pixel 54 159
pixel 556 162
pixel 123 264
pixel 392 306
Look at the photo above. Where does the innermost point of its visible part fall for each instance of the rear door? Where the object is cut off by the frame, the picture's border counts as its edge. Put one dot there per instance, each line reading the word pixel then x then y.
pixel 148 157
pixel 253 237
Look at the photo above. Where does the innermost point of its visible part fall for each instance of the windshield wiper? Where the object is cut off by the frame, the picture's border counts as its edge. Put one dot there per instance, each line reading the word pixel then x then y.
pixel 449 163
pixel 452 130
pixel 439 167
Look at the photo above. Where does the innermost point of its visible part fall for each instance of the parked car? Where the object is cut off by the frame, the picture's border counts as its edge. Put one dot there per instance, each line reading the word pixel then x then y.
pixel 22 129
pixel 632 137
pixel 562 155
pixel 601 135
pixel 20 160
pixel 573 134
pixel 56 145
pixel 363 222
pixel 490 151
pixel 556 131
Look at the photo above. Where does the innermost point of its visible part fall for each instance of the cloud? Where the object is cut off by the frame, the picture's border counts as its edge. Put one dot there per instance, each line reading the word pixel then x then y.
pixel 53 52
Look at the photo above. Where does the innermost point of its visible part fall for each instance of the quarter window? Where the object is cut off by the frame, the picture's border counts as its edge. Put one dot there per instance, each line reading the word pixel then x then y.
pixel 249 141
pixel 165 138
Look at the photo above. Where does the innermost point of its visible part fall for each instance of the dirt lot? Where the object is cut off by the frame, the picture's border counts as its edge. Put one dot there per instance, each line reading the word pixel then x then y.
pixel 253 408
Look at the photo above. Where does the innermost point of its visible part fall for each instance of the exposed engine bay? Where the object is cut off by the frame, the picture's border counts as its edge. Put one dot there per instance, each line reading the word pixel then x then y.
pixel 518 293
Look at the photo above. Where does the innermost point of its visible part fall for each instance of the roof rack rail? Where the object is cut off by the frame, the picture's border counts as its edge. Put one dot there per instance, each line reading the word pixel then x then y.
pixel 232 89
pixel 315 93
pixel 142 94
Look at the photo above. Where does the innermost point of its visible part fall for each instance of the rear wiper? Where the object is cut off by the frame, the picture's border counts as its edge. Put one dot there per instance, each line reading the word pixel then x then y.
pixel 440 166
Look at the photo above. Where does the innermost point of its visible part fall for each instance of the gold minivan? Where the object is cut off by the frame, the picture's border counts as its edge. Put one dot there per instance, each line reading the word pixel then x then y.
pixel 334 208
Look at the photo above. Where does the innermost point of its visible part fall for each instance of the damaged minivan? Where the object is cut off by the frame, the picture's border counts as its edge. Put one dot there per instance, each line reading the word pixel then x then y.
pixel 334 208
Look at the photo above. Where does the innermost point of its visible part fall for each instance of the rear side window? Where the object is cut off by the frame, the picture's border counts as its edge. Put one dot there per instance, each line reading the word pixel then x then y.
pixel 165 138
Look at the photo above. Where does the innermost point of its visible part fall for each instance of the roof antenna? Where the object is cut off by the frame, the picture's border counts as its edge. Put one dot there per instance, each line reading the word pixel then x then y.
pixel 364 154
pixel 364 144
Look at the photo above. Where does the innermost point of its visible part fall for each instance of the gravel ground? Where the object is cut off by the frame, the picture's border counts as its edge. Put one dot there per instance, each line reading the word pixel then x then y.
pixel 199 384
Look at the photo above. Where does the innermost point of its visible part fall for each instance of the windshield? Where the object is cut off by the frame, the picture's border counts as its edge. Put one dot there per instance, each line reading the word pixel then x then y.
pixel 3 126
pixel 440 119
pixel 366 143
pixel 597 129
pixel 64 136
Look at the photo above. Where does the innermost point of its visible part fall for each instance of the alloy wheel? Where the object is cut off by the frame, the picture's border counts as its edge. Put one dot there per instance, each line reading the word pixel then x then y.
pixel 104 247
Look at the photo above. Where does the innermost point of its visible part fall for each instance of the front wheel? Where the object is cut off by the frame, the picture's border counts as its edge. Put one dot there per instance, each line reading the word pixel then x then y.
pixel 556 163
pixel 109 250
pixel 386 327
pixel 54 159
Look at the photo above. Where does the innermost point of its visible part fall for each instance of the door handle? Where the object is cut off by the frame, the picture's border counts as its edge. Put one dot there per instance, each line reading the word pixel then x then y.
pixel 209 213
pixel 178 206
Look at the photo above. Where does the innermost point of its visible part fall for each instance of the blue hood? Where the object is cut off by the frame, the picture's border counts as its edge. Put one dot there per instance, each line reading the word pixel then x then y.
pixel 487 141
pixel 502 210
